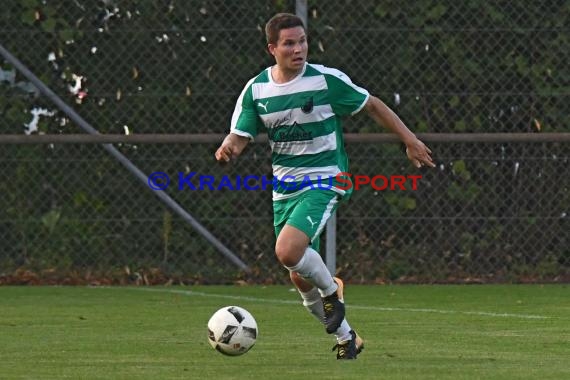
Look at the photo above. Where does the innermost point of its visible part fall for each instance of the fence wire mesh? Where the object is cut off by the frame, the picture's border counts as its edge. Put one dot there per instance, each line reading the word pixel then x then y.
pixel 497 213
pixel 489 212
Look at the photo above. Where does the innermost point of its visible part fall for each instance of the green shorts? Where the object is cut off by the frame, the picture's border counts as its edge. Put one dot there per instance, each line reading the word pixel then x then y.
pixel 308 212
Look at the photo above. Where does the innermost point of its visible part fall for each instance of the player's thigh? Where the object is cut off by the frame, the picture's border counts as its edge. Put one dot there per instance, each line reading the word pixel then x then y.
pixel 282 210
pixel 312 212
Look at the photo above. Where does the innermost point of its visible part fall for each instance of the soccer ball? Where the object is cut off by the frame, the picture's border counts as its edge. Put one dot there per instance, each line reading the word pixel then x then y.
pixel 232 330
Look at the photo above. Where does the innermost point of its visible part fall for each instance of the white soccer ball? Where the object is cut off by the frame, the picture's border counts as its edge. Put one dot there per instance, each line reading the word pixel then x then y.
pixel 232 330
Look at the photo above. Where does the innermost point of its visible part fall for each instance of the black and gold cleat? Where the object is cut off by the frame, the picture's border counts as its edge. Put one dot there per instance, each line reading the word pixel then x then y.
pixel 333 306
pixel 349 349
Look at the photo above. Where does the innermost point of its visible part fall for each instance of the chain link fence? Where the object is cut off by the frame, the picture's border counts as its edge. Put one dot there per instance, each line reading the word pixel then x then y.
pixel 489 212
pixel 493 212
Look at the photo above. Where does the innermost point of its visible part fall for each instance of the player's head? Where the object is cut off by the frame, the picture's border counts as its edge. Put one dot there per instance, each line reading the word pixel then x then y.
pixel 279 22
pixel 287 41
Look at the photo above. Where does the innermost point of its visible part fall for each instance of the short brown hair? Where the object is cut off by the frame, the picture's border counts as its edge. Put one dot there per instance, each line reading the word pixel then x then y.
pixel 278 22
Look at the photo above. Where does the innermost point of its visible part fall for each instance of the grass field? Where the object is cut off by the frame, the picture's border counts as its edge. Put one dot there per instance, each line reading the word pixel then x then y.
pixel 411 332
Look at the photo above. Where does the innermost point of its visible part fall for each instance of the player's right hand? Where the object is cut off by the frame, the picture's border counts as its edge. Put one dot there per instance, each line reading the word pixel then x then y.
pixel 224 153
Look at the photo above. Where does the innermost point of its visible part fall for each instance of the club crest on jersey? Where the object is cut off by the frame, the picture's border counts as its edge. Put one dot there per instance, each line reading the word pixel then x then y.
pixel 308 106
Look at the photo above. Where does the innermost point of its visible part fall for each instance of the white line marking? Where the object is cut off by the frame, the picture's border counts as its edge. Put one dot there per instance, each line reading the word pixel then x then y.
pixel 374 308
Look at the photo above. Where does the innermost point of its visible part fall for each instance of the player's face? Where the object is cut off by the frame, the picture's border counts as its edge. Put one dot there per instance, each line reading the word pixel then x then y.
pixel 291 49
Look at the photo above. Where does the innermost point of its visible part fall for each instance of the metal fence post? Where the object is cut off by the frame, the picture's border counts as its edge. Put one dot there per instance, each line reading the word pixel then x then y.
pixel 330 255
pixel 301 11
pixel 133 169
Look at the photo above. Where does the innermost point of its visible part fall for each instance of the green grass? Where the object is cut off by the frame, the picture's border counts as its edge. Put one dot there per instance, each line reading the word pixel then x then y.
pixel 411 332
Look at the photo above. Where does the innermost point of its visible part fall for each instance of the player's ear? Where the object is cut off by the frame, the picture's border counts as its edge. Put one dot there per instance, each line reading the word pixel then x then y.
pixel 271 49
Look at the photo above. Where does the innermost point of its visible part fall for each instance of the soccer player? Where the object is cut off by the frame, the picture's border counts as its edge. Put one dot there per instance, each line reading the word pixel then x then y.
pixel 300 105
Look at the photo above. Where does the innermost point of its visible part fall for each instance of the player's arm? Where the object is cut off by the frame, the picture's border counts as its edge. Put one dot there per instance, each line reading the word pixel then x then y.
pixel 244 126
pixel 231 147
pixel 416 150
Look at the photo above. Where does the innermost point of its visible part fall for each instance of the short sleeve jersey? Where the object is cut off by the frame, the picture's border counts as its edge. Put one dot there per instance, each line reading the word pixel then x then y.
pixel 303 122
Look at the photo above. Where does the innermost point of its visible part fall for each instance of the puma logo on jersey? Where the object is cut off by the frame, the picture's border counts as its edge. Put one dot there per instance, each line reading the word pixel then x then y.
pixel 311 221
pixel 264 106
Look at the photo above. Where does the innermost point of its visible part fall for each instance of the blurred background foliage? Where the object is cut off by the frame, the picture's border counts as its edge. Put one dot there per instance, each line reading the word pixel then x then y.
pixel 490 212
pixel 177 66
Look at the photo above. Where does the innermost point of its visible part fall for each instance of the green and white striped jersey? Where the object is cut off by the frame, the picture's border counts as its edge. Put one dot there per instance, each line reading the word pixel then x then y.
pixel 303 121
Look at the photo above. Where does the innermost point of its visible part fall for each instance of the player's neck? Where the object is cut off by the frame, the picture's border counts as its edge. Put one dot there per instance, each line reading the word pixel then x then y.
pixel 281 75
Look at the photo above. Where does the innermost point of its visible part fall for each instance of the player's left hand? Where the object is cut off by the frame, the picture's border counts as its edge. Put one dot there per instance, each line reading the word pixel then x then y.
pixel 419 154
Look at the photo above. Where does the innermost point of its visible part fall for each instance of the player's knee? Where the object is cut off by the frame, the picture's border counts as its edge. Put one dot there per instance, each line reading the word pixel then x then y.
pixel 283 253
pixel 291 245
pixel 288 253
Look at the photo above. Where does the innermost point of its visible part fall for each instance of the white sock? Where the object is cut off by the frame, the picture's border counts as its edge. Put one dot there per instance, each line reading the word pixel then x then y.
pixel 314 304
pixel 312 268
pixel 342 334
